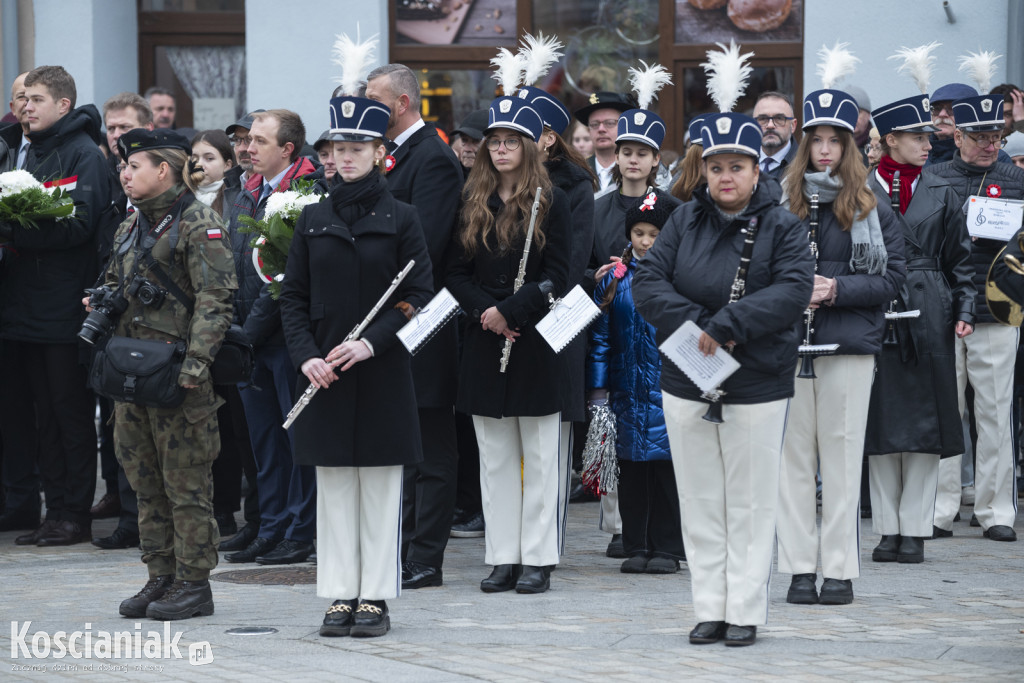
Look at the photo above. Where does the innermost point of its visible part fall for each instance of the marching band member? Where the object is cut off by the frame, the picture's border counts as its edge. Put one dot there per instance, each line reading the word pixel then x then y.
pixel 859 268
pixel 504 281
pixel 914 417
pixel 344 255
pixel 728 473
pixel 692 164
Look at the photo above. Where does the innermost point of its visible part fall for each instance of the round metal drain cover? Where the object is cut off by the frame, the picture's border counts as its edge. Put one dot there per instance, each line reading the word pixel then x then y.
pixel 251 631
pixel 282 576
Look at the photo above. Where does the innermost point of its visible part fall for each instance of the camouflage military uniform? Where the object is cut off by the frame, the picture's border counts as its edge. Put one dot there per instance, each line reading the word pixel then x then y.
pixel 167 452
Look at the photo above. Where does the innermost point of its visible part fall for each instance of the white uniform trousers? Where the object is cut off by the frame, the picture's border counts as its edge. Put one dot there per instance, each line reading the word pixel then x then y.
pixel 358 532
pixel 985 359
pixel 519 488
pixel 610 521
pixel 827 420
pixel 903 493
pixel 728 481
pixel 950 487
pixel 564 482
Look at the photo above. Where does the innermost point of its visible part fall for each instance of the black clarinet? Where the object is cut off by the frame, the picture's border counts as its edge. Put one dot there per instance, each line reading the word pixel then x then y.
pixel 806 357
pixel 739 286
pixel 894 201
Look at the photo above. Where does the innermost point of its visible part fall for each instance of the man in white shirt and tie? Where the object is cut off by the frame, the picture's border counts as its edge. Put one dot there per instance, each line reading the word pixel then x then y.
pixel 13 143
pixel 773 111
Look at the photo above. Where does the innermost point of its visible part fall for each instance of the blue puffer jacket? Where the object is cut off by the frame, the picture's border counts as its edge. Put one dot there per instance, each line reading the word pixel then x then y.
pixel 624 360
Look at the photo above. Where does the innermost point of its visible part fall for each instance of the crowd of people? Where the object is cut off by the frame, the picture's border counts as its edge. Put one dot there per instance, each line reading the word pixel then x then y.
pixel 827 253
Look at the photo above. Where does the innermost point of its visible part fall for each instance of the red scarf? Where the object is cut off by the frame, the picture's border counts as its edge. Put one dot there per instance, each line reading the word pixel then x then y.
pixel 908 174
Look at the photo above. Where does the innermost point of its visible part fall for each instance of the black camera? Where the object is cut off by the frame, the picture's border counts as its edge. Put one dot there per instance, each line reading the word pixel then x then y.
pixel 107 306
pixel 146 292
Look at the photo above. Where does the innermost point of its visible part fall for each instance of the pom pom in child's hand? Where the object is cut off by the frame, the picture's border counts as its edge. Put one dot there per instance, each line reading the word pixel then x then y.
pixel 619 271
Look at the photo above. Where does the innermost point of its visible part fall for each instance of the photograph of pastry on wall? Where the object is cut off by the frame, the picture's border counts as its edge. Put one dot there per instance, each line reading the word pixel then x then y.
pixel 748 21
pixel 490 23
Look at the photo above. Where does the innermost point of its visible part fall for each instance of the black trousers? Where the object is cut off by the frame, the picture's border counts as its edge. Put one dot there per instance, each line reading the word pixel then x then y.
pixel 235 447
pixel 428 494
pixel 649 508
pixel 18 435
pixel 467 491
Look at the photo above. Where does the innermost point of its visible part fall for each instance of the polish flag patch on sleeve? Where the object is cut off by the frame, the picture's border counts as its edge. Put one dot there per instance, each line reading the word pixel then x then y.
pixel 66 184
pixel 214 234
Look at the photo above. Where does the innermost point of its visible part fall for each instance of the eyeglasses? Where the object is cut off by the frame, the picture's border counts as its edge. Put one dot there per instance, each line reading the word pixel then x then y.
pixel 236 141
pixel 779 120
pixel 607 123
pixel 986 140
pixel 937 108
pixel 511 144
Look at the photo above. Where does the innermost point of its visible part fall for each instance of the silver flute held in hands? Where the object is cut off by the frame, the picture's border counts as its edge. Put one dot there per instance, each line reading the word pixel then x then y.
pixel 521 276
pixel 354 335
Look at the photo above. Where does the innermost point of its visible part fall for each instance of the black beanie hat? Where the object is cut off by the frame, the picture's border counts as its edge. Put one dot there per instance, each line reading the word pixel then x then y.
pixel 655 207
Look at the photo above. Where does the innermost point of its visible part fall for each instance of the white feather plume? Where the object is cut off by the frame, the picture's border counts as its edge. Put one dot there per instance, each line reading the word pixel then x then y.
pixel 354 58
pixel 917 63
pixel 647 81
pixel 981 67
pixel 836 63
pixel 727 72
pixel 508 70
pixel 539 55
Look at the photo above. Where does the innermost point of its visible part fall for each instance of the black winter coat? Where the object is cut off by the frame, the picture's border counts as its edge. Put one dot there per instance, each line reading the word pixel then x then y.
pixel 536 381
pixel 689 271
pixel 335 275
pixel 49 266
pixel 610 226
pixel 427 175
pixel 914 399
pixel 966 179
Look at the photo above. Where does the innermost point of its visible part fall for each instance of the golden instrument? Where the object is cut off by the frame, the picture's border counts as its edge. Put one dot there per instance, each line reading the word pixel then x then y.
pixel 1003 308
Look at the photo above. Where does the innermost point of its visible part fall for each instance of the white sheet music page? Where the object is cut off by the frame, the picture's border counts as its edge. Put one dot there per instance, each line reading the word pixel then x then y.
pixel 418 331
pixel 707 372
pixel 570 316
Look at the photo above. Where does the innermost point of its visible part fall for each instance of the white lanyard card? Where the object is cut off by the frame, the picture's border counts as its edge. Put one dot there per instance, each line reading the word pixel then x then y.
pixel 997 219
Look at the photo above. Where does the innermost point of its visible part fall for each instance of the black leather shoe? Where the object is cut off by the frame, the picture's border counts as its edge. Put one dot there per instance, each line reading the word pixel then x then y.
pixel 503 578
pixel 183 600
pixel 474 527
pixel 338 620
pixel 887 550
pixel 941 533
pixel 974 520
pixel 1001 532
pixel 533 580
pixel 802 590
pixel 737 636
pixel 634 565
pixel 708 632
pixel 66 533
pixel 154 589
pixel 121 538
pixel 33 537
pixel 226 523
pixel 836 592
pixel 287 552
pixel 108 506
pixel 240 541
pixel 416 575
pixel 371 619
pixel 615 547
pixel 258 548
pixel 19 521
pixel 911 550
pixel 661 565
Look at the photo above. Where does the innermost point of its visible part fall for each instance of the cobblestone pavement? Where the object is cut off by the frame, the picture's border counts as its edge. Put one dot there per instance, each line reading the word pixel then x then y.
pixel 958 616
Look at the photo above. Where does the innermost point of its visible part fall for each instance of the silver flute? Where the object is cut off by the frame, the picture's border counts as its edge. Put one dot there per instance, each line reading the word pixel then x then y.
pixel 521 276
pixel 311 390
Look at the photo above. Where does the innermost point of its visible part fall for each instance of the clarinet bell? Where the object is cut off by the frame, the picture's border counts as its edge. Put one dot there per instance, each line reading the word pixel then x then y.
pixel 890 334
pixel 807 367
pixel 714 414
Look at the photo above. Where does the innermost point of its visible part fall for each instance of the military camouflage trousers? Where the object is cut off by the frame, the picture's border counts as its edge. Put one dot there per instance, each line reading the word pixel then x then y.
pixel 167 454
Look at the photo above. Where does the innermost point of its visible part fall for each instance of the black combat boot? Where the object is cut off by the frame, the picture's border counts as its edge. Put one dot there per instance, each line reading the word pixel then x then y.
pixel 886 550
pixel 154 589
pixel 183 600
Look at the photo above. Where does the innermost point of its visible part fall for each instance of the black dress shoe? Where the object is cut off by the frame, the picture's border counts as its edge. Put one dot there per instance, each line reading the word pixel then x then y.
pixel 911 550
pixel 240 541
pixel 66 533
pixel 533 580
pixel 802 590
pixel 580 494
pixel 287 552
pixel 108 506
pixel 1001 532
pixel 33 537
pixel 258 548
pixel 338 620
pixel 19 521
pixel 503 578
pixel 887 550
pixel 661 565
pixel 634 565
pixel 737 636
pixel 183 600
pixel 615 547
pixel 708 632
pixel 121 538
pixel 226 523
pixel 154 589
pixel 941 533
pixel 974 520
pixel 416 575
pixel 371 619
pixel 836 592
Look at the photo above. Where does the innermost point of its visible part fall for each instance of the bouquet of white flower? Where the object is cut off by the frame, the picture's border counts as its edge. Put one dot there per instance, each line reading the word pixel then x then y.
pixel 24 200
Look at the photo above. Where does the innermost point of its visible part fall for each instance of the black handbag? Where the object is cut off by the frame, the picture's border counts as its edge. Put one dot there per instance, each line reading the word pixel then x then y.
pixel 235 360
pixel 140 371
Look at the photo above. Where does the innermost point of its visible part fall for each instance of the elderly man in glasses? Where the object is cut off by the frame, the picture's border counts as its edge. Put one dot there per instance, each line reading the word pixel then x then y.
pixel 986 358
pixel 601 116
pixel 773 111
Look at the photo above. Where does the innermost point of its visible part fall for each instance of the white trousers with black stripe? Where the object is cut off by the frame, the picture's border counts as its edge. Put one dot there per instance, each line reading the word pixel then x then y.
pixel 728 481
pixel 903 493
pixel 358 530
pixel 519 488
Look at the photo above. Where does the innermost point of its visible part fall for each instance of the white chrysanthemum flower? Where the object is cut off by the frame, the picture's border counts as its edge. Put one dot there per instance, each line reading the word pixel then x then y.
pixel 14 182
pixel 278 202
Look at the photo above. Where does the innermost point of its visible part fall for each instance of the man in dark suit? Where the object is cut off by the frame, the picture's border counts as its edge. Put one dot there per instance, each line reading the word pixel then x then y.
pixel 423 171
pixel 773 111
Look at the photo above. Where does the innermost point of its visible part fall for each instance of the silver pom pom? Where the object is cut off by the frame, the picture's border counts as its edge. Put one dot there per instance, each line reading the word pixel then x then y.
pixel 600 464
